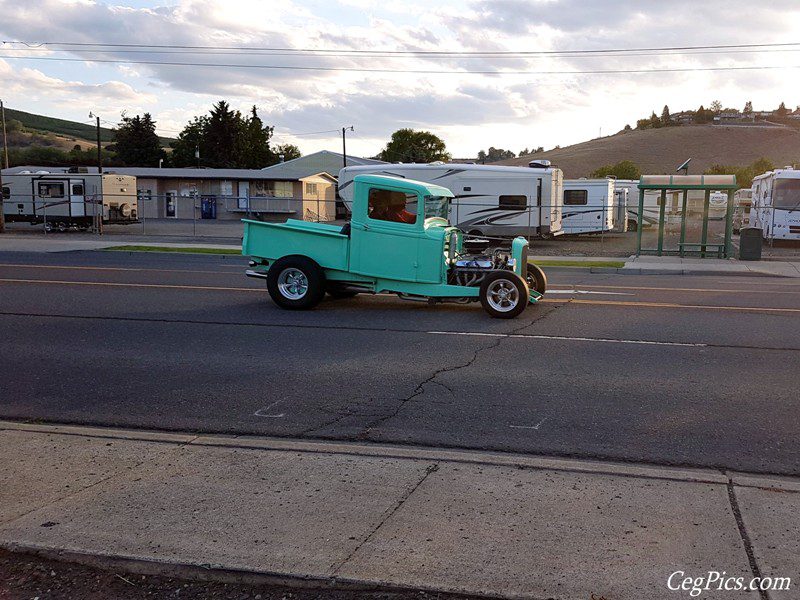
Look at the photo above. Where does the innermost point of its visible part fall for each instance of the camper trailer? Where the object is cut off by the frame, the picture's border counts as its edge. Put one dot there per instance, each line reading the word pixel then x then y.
pixel 488 200
pixel 742 201
pixel 651 204
pixel 588 206
pixel 621 205
pixel 776 204
pixel 66 199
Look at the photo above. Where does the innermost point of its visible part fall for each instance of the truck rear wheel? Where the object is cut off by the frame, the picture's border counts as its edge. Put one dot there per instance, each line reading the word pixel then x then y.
pixel 504 294
pixel 536 279
pixel 296 282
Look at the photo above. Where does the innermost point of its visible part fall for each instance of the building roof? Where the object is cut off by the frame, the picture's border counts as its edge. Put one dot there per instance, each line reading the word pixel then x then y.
pixel 156 173
pixel 323 161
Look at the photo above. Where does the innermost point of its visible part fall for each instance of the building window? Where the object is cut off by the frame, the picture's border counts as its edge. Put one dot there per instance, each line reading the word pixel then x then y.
pixel 311 189
pixel 283 189
pixel 49 189
pixel 226 188
pixel 513 202
pixel 576 197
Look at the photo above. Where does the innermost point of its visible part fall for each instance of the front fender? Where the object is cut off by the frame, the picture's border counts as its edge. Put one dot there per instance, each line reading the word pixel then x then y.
pixel 519 252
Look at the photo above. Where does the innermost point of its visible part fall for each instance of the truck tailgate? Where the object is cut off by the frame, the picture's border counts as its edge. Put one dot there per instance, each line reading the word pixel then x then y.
pixel 321 242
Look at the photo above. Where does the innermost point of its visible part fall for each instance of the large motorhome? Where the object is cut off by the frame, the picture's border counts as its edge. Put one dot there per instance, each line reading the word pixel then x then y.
pixel 489 200
pixel 69 198
pixel 588 206
pixel 776 204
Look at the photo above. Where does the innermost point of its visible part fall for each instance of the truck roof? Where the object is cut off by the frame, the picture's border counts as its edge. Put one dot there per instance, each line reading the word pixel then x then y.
pixel 422 188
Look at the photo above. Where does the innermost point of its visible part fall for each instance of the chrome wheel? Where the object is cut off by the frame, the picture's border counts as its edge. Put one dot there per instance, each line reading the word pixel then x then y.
pixel 502 295
pixel 293 283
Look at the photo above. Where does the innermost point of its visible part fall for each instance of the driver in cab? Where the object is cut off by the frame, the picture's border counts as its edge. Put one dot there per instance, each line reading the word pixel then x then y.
pixel 386 205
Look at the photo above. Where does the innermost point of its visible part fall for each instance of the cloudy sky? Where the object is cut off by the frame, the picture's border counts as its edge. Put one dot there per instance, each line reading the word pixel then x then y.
pixel 539 100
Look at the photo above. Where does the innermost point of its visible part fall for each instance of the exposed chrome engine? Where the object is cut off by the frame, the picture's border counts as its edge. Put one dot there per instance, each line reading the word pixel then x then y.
pixel 470 269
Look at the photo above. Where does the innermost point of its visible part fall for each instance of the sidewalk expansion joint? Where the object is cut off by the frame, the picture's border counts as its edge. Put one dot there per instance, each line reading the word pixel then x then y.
pixel 748 544
pixel 432 468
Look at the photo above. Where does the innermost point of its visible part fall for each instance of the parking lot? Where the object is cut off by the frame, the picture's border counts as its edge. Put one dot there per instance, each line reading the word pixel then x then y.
pixel 687 371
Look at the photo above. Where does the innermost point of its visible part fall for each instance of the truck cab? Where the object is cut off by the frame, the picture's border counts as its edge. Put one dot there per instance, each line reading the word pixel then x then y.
pixel 399 241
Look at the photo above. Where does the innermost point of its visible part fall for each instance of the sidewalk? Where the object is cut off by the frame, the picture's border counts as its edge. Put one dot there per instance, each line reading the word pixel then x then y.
pixel 396 517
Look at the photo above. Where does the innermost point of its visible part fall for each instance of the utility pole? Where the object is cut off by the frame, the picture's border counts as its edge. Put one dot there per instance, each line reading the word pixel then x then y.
pixel 5 161
pixel 99 148
pixel 197 154
pixel 5 139
pixel 344 145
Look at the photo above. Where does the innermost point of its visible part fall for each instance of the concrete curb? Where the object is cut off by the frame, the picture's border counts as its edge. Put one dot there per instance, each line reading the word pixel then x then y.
pixel 523 461
pixel 220 574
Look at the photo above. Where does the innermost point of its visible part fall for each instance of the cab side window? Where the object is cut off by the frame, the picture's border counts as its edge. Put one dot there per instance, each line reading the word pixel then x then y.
pixel 397 207
pixel 6 192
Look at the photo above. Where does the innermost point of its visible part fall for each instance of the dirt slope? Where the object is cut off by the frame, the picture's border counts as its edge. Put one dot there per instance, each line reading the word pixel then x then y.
pixel 659 151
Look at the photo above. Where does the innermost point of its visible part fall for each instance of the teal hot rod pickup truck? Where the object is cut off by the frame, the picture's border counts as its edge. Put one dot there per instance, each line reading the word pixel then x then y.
pixel 399 241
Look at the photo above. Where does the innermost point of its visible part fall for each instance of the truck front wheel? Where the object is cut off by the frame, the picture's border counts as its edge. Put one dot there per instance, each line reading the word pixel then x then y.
pixel 296 282
pixel 504 294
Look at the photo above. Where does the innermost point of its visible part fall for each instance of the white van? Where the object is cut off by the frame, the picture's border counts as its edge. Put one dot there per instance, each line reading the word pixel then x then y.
pixel 489 200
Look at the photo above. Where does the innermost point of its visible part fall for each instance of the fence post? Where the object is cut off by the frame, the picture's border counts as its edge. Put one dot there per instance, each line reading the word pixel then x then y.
pixel 194 214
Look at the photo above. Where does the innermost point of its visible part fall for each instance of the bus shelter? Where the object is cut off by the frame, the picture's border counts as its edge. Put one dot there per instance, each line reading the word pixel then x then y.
pixel 687 225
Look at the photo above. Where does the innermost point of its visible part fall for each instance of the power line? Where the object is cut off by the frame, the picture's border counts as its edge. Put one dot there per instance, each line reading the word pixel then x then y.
pixel 408 52
pixel 377 54
pixel 413 71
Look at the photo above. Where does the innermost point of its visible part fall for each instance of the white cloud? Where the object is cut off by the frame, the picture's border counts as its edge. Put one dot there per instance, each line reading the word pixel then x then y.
pixel 472 111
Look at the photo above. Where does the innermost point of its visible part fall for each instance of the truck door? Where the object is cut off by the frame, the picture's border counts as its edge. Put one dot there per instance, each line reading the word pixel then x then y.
pixel 385 243
pixel 77 198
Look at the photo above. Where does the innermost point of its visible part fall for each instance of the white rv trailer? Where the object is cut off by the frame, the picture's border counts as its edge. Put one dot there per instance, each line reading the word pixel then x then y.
pixel 489 200
pixel 588 206
pixel 742 201
pixel 68 198
pixel 621 199
pixel 776 204
pixel 651 204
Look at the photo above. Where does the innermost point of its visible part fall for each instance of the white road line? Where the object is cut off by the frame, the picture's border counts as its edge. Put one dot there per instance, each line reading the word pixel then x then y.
pixel 551 291
pixel 529 426
pixel 563 338
pixel 261 411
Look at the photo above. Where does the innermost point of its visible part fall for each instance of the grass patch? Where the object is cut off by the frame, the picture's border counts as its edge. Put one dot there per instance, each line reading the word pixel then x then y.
pixel 182 249
pixel 615 264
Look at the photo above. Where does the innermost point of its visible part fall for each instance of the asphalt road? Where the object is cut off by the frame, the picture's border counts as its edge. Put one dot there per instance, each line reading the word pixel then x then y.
pixel 689 370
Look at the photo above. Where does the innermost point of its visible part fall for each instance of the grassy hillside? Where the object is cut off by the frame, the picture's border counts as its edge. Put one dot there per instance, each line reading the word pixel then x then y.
pixel 658 151
pixel 67 129
pixel 71 129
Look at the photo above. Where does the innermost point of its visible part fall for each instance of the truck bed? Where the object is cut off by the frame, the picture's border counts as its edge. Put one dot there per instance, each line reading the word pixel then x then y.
pixel 321 242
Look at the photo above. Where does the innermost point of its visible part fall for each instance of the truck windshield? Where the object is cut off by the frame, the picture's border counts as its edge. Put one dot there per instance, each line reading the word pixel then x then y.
pixel 436 206
pixel 786 194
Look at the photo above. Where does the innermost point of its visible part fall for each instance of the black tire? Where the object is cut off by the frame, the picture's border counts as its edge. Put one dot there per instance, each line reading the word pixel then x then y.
pixel 632 225
pixel 536 279
pixel 296 282
pixel 504 306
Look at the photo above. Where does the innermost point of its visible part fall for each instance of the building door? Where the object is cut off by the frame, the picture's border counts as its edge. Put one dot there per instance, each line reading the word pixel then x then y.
pixel 170 204
pixel 243 200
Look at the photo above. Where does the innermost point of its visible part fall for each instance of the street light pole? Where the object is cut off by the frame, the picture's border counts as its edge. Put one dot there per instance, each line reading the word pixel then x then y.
pixel 5 139
pixel 344 145
pixel 99 149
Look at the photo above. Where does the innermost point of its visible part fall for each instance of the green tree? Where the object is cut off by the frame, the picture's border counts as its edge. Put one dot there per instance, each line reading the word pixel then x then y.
pixel 495 154
pixel 716 107
pixel 223 143
pixel 744 175
pixel 665 118
pixel 625 169
pixel 748 108
pixel 255 152
pixel 136 142
pixel 782 110
pixel 289 151
pixel 189 140
pixel 408 145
